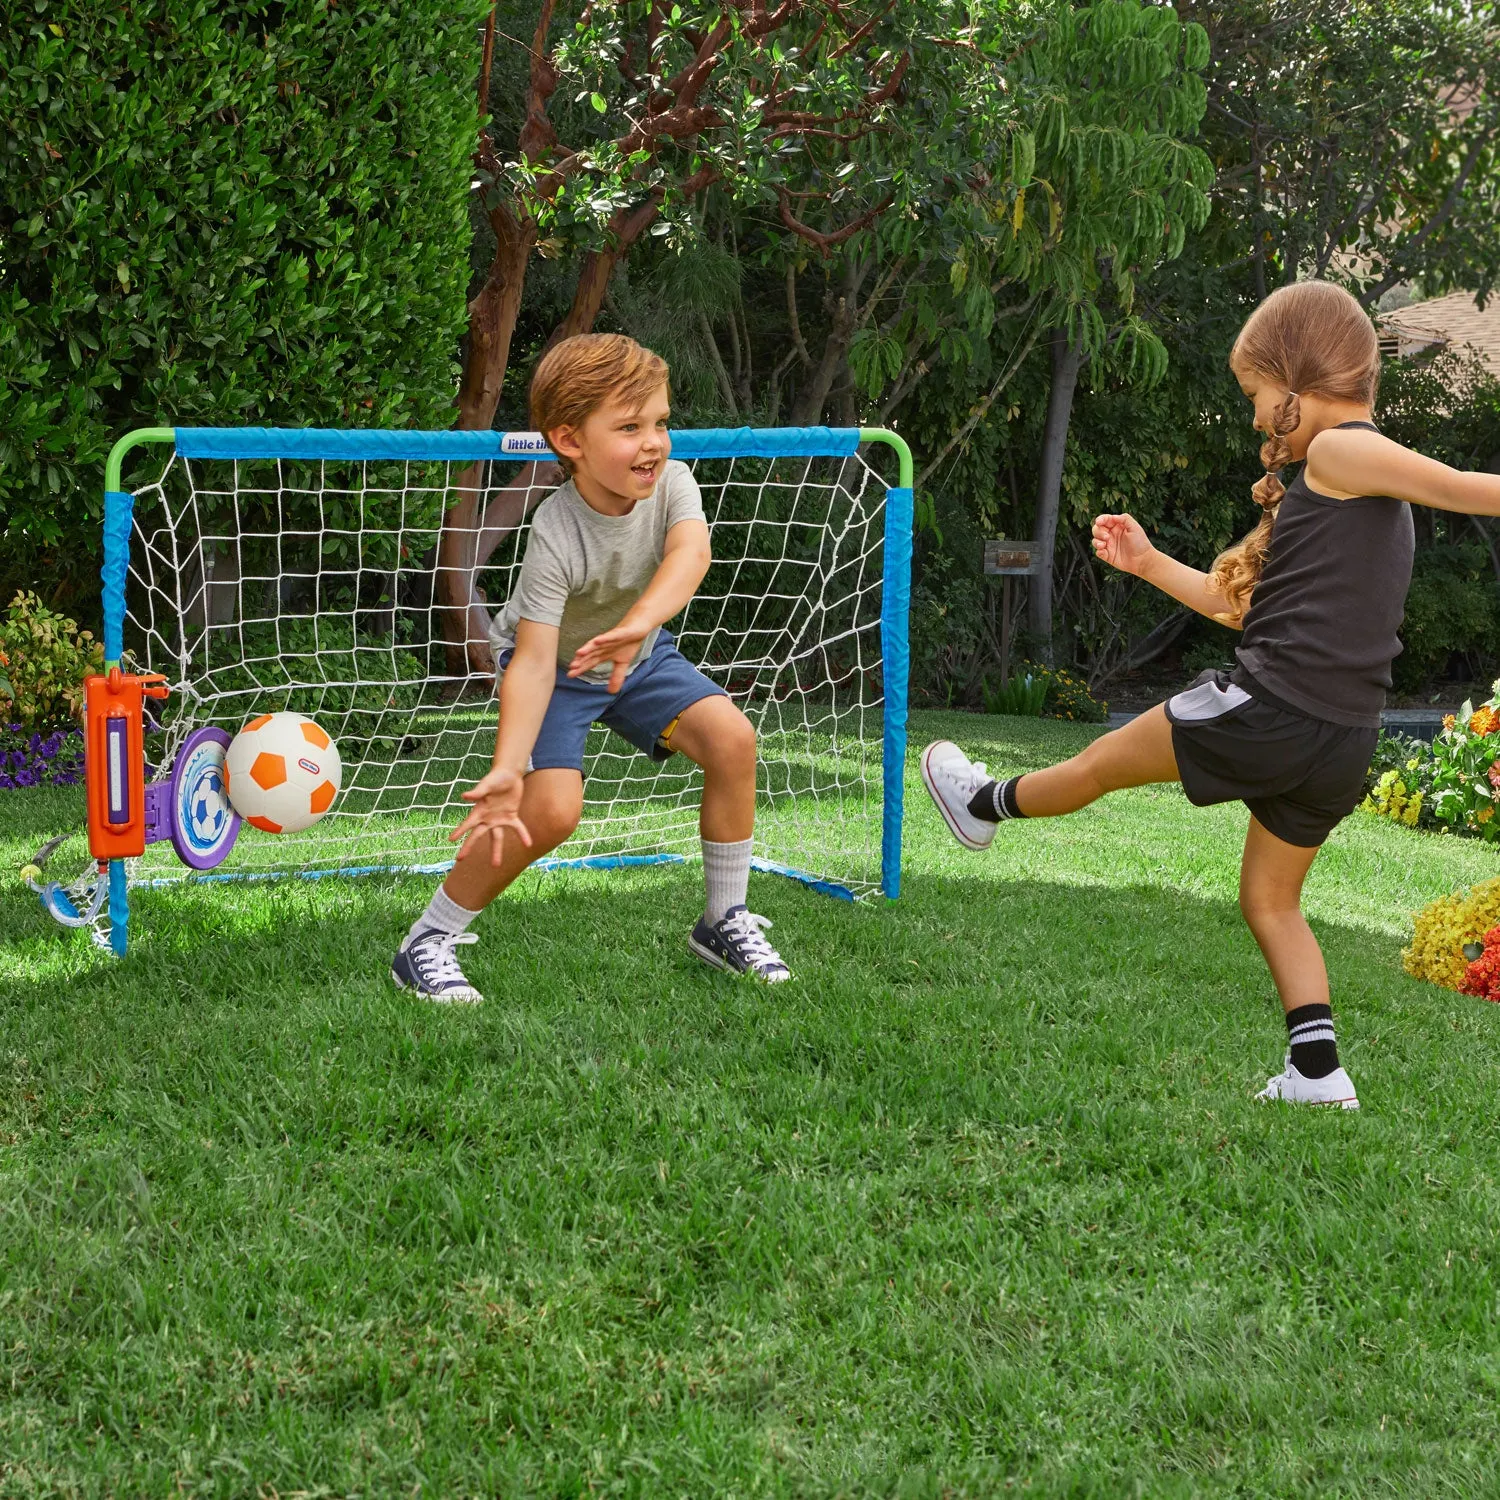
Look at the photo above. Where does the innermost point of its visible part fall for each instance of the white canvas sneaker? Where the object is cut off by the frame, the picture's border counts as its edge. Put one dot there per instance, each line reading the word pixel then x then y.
pixel 951 779
pixel 1336 1090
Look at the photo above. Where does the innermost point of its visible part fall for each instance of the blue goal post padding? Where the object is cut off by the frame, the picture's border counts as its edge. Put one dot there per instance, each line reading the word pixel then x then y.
pixel 468 447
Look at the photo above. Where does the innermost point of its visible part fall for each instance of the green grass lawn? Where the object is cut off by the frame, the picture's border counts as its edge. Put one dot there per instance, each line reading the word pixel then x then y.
pixel 980 1201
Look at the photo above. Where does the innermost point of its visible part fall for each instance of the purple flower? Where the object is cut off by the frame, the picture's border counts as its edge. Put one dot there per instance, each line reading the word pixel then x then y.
pixel 5 781
pixel 25 778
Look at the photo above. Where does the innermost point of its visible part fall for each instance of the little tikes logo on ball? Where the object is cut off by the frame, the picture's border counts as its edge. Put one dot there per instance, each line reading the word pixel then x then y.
pixel 521 443
pixel 272 780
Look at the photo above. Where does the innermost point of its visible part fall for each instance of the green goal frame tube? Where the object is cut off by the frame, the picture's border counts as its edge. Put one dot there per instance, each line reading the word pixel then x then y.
pixel 118 505
pixel 895 655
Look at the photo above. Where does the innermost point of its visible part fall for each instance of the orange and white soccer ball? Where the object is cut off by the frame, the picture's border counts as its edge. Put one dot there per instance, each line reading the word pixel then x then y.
pixel 283 772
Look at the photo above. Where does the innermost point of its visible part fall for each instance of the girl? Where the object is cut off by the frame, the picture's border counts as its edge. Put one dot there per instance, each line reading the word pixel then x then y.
pixel 1318 590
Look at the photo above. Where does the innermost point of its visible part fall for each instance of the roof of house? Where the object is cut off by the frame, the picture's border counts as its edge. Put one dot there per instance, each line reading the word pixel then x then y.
pixel 1454 319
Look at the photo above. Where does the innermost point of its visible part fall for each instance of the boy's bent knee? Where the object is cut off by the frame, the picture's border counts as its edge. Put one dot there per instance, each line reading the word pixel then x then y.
pixel 726 744
pixel 735 752
pixel 739 737
pixel 551 813
pixel 554 823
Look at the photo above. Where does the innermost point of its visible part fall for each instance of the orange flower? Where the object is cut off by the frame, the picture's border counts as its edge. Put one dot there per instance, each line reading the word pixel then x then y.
pixel 1484 721
pixel 1449 720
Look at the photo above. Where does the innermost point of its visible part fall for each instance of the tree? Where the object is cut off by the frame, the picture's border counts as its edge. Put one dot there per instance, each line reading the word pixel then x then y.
pixel 1116 91
pixel 1355 139
pixel 1038 171
pixel 668 101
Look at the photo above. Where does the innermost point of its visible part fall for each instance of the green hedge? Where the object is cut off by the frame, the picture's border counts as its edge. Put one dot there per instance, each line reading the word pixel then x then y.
pixel 228 212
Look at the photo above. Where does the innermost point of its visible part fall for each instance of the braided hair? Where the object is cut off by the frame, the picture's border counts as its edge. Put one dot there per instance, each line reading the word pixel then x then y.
pixel 1314 338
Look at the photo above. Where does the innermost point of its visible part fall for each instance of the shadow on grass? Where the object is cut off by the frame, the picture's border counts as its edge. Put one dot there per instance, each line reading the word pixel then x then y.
pixel 1120 973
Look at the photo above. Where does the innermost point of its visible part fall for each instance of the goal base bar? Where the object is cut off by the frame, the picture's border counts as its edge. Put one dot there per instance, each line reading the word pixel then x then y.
pixel 588 862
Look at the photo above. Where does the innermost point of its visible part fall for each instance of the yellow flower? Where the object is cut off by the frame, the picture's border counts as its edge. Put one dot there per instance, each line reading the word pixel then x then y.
pixel 1440 930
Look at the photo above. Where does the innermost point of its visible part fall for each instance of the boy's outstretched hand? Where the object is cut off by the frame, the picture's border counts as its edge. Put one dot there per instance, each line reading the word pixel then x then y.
pixel 1121 542
pixel 497 806
pixel 618 645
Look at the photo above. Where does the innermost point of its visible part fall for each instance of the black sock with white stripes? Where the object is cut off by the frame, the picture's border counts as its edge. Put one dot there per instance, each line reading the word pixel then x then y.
pixel 995 801
pixel 1309 1029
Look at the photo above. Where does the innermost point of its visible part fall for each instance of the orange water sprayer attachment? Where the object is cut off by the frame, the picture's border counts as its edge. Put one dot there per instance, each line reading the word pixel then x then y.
pixel 114 760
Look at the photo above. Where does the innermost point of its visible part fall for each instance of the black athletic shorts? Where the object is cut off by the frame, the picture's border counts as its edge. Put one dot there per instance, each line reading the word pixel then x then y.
pixel 1234 741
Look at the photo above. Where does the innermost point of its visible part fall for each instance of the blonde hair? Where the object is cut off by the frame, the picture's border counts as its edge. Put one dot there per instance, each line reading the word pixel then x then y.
pixel 1314 339
pixel 578 375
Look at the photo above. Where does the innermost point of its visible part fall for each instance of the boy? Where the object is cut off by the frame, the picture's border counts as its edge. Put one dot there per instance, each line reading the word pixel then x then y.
pixel 620 548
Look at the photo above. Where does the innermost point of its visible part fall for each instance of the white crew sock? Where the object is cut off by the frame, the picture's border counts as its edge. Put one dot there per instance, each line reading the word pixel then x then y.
pixel 443 914
pixel 726 875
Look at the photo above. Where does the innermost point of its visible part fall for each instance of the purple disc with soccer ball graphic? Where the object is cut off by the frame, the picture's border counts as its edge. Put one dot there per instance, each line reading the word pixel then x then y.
pixel 203 824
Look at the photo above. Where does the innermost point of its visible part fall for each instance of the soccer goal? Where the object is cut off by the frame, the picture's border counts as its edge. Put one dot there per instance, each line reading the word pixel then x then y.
pixel 346 575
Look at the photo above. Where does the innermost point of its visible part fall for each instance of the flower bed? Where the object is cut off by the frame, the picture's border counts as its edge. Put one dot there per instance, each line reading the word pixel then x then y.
pixel 1451 785
pixel 36 759
pixel 1050 692
pixel 1452 935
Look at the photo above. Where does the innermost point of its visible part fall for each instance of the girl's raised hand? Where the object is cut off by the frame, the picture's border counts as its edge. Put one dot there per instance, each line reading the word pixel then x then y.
pixel 1120 541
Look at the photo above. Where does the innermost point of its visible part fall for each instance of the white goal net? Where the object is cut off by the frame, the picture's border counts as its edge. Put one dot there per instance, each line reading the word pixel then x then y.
pixel 327 586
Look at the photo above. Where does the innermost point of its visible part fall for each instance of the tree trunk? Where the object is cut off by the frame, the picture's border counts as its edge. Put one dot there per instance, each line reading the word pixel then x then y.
pixel 813 397
pixel 626 226
pixel 461 612
pixel 593 281
pixel 1066 359
pixel 463 615
pixel 492 319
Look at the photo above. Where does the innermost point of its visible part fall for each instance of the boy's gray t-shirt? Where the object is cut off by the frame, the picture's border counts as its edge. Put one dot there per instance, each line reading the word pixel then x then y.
pixel 583 571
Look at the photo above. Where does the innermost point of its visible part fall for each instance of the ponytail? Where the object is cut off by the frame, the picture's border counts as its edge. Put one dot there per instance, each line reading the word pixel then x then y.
pixel 1237 570
pixel 1313 337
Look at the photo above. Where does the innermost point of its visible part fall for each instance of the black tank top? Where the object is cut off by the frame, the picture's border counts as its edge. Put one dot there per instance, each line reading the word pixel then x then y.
pixel 1320 633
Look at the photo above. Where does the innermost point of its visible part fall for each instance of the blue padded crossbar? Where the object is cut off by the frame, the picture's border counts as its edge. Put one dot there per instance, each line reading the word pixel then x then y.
pixel 467 447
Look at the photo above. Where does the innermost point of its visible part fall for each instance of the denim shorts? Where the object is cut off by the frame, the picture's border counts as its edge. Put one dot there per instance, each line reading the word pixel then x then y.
pixel 653 695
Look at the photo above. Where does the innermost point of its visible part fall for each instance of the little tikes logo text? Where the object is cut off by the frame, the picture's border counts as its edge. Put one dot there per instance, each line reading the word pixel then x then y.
pixel 523 443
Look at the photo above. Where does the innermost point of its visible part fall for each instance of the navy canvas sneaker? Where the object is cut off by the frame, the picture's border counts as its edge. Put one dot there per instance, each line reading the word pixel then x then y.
pixel 429 966
pixel 738 944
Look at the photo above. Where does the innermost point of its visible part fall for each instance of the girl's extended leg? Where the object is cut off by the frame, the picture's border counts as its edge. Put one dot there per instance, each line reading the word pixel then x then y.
pixel 972 804
pixel 1137 754
pixel 1271 877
